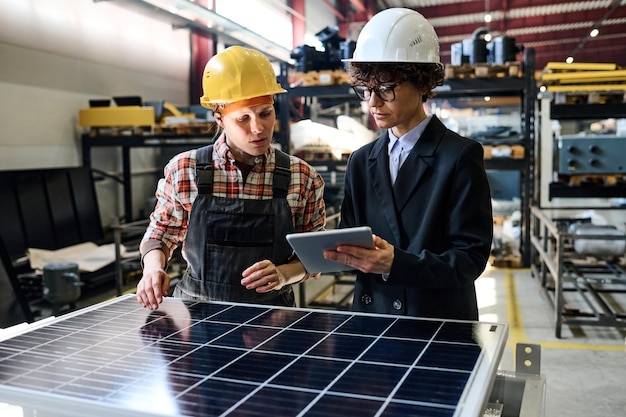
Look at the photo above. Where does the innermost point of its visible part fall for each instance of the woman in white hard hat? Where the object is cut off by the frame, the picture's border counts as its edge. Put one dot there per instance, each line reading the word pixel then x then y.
pixel 232 203
pixel 422 188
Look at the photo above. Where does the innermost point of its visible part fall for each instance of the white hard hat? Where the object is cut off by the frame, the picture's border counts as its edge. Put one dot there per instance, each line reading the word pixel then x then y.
pixel 397 35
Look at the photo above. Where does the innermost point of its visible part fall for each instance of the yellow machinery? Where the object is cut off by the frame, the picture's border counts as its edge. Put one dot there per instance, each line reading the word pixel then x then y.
pixel 133 115
pixel 116 116
pixel 583 76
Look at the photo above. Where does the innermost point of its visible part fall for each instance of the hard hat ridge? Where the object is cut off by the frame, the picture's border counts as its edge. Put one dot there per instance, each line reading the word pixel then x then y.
pixel 235 74
pixel 397 35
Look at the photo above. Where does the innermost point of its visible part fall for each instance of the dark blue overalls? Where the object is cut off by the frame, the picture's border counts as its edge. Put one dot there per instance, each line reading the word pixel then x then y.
pixel 227 235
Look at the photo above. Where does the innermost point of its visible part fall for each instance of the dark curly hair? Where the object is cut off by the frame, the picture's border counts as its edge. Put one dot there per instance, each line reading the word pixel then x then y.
pixel 420 74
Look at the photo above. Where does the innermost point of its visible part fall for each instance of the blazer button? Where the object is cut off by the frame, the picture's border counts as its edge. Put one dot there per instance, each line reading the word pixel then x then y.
pixel 397 304
pixel 366 299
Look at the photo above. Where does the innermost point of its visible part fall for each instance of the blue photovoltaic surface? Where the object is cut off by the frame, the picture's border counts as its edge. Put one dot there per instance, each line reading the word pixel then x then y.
pixel 210 359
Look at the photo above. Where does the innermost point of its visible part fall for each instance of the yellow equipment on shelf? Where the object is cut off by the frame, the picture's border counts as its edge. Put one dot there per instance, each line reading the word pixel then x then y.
pixel 116 116
pixel 583 77
pixel 132 111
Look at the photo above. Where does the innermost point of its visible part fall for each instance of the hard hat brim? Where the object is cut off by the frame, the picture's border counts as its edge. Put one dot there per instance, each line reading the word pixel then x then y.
pixel 387 61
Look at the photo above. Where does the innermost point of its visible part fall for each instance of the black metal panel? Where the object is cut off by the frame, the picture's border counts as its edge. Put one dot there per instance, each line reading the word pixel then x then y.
pixel 11 222
pixel 33 201
pixel 48 209
pixel 62 209
pixel 86 205
pixel 14 308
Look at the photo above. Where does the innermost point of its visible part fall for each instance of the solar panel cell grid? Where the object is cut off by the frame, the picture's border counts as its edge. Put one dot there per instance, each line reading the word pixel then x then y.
pixel 208 358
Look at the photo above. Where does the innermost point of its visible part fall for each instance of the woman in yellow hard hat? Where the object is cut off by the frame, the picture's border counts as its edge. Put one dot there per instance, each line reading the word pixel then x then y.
pixel 232 203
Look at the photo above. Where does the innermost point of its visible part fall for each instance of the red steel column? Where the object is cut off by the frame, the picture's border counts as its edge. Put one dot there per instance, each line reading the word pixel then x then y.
pixel 202 48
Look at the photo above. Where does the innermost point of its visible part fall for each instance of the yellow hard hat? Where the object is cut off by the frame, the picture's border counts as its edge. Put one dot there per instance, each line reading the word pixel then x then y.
pixel 238 73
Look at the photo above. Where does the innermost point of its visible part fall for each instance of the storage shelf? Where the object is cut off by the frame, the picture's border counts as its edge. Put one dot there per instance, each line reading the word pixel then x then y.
pixel 587 111
pixel 505 164
pixel 125 143
pixel 481 86
pixel 524 88
pixel 562 190
pixel 143 140
pixel 559 269
pixel 328 91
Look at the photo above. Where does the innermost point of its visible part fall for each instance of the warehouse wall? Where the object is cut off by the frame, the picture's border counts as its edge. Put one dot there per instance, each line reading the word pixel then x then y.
pixel 318 16
pixel 56 55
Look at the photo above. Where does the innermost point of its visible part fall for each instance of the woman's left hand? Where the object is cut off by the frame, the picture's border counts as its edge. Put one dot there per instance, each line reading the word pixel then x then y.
pixel 374 261
pixel 263 277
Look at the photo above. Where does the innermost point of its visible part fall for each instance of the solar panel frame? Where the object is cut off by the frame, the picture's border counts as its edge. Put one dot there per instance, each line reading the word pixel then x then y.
pixel 213 358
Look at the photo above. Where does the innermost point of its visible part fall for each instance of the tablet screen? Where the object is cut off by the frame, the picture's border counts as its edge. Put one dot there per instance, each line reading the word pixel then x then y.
pixel 310 246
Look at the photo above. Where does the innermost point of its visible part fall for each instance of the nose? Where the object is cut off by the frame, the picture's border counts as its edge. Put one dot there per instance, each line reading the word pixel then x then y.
pixel 373 100
pixel 256 124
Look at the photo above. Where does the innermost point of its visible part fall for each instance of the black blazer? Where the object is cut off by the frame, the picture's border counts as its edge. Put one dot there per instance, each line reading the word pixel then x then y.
pixel 437 215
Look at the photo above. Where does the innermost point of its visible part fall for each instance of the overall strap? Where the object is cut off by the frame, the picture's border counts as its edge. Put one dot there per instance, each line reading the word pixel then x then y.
pixel 204 170
pixel 282 174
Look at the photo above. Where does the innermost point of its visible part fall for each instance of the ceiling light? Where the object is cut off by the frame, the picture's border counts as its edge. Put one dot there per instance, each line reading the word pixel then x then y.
pixel 569 59
pixel 594 32
pixel 189 14
pixel 487 98
pixel 488 18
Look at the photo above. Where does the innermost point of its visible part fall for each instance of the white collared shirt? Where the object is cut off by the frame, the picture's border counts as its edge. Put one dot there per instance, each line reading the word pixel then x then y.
pixel 399 148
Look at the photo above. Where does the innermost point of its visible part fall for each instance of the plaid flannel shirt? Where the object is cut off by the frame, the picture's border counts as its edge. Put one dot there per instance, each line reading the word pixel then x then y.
pixel 177 191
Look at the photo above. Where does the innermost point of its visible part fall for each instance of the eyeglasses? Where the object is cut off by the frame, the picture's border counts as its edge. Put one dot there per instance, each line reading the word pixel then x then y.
pixel 384 92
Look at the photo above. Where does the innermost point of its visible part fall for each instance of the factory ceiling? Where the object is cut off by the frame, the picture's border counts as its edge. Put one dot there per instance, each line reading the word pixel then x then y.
pixel 555 29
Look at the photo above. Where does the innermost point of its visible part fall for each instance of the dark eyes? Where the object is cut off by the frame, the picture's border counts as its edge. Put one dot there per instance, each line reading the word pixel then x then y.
pixel 263 115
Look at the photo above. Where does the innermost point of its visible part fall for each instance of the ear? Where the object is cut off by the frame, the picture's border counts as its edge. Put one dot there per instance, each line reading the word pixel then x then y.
pixel 218 119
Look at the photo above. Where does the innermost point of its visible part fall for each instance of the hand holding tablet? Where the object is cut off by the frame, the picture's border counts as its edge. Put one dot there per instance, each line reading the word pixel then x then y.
pixel 310 246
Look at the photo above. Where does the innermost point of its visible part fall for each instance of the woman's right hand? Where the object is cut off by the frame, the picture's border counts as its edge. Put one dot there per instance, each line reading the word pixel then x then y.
pixel 153 286
pixel 155 283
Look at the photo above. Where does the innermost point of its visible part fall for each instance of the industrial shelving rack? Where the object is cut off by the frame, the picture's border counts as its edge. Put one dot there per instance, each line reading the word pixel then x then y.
pixel 341 287
pixel 593 285
pixel 125 143
pixel 332 92
pixel 523 87
pixel 581 289
pixel 553 111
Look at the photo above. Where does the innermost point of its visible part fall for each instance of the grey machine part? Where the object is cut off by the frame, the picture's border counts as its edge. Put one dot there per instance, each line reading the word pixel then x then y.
pixel 520 393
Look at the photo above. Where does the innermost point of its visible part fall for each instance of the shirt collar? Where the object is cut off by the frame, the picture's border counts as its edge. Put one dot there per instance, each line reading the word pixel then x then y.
pixel 223 152
pixel 410 138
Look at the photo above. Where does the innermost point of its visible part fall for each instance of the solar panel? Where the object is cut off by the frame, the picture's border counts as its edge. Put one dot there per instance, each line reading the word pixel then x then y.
pixel 212 358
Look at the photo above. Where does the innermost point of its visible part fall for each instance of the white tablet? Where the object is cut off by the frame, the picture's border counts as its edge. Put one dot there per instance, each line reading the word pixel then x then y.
pixel 310 246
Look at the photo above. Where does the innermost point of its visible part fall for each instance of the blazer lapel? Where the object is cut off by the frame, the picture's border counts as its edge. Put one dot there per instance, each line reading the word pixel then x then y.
pixel 378 171
pixel 420 159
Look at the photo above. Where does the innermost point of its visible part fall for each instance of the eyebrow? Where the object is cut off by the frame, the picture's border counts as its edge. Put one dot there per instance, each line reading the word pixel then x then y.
pixel 247 110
